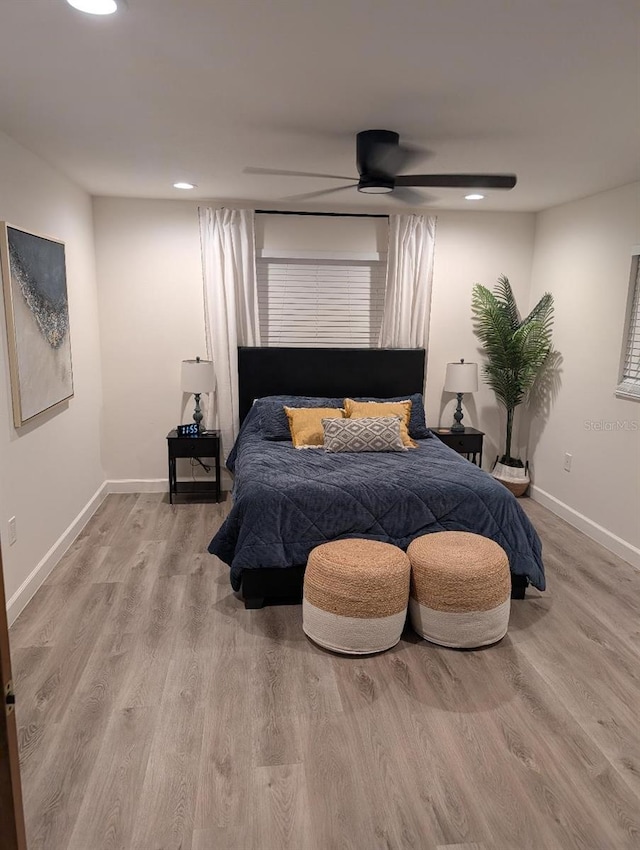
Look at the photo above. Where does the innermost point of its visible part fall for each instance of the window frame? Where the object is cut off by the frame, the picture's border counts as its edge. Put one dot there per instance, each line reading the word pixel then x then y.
pixel 621 390
pixel 340 259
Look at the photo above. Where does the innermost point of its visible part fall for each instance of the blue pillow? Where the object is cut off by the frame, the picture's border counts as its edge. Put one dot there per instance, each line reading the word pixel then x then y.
pixel 273 419
pixel 417 421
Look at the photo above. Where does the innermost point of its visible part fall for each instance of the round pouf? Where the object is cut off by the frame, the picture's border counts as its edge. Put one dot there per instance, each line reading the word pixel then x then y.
pixel 355 595
pixel 460 589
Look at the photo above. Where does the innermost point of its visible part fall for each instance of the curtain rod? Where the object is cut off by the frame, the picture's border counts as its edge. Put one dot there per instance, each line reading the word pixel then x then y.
pixel 328 214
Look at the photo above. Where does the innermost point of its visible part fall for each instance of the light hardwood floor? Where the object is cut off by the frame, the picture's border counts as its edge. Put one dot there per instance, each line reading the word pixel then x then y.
pixel 155 713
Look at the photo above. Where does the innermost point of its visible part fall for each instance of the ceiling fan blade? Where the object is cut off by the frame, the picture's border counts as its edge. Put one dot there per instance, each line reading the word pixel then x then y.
pixel 407 195
pixel 410 155
pixel 283 173
pixel 321 192
pixel 459 181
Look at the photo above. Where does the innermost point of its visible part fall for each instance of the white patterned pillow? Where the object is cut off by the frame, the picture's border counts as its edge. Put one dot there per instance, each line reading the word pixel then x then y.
pixel 370 434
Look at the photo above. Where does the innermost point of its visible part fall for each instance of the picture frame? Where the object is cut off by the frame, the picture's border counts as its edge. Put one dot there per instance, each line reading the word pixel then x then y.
pixel 34 284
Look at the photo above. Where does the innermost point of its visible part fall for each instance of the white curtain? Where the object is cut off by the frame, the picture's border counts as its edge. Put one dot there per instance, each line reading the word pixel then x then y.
pixel 230 306
pixel 407 301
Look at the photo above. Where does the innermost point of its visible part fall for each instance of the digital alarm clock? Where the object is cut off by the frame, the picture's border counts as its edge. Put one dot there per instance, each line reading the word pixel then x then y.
pixel 187 430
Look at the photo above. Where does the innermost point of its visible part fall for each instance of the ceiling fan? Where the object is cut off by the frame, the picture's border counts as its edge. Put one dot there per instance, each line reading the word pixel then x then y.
pixel 379 158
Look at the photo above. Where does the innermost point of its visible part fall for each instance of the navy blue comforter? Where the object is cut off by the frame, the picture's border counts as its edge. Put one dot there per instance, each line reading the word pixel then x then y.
pixel 286 501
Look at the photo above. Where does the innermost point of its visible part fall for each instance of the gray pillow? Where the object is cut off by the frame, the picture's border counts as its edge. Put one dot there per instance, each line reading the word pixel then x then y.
pixel 273 419
pixel 417 422
pixel 370 434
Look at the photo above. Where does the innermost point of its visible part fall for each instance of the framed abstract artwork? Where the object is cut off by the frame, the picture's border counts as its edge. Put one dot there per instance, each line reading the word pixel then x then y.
pixel 34 282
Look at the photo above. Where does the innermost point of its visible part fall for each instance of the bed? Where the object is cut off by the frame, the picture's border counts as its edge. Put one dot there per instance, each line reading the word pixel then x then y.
pixel 286 501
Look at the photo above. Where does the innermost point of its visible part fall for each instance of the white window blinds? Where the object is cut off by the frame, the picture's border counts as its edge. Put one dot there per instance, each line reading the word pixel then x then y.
pixel 321 303
pixel 629 385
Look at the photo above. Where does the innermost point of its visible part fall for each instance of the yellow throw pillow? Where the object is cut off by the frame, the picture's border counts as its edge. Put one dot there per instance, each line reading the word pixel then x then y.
pixel 363 409
pixel 305 424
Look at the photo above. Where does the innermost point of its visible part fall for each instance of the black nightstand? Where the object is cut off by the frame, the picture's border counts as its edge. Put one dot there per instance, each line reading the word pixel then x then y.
pixel 467 442
pixel 203 446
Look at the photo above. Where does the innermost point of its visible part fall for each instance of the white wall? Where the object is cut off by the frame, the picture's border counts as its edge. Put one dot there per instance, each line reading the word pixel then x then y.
pixel 583 256
pixel 473 247
pixel 283 234
pixel 51 468
pixel 152 318
pixel 150 291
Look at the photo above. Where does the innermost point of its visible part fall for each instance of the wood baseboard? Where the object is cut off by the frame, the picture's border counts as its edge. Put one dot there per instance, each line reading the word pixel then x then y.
pixel 606 538
pixel 36 577
pixel 137 485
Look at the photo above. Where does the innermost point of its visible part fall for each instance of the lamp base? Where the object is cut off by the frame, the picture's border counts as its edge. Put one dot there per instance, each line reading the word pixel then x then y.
pixel 197 413
pixel 457 426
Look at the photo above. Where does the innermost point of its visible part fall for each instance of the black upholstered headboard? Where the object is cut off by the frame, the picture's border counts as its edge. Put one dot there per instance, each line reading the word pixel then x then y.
pixel 331 372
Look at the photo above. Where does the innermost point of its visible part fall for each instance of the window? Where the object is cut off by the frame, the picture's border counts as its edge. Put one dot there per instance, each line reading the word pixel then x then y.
pixel 321 303
pixel 629 386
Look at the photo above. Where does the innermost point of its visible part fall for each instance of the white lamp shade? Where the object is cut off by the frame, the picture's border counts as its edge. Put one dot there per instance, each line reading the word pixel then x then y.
pixel 461 378
pixel 197 376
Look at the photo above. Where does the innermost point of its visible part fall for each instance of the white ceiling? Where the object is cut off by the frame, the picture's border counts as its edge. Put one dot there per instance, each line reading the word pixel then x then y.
pixel 197 90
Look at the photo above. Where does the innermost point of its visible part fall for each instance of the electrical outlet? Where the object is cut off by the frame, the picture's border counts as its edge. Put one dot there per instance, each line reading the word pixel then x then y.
pixel 567 461
pixel 13 534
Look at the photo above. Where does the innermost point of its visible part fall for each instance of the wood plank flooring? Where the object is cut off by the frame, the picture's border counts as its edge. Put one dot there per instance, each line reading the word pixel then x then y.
pixel 155 713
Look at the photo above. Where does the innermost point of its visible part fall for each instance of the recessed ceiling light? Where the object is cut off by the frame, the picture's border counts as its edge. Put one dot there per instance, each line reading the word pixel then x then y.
pixel 95 7
pixel 474 197
pixel 183 185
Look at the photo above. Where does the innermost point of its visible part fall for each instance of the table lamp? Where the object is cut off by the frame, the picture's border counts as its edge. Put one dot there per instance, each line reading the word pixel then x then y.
pixel 460 378
pixel 197 377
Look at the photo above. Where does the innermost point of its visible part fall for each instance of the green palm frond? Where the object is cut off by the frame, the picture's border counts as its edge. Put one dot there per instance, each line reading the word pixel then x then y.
pixel 491 325
pixel 516 348
pixel 504 387
pixel 506 298
pixel 543 311
pixel 532 341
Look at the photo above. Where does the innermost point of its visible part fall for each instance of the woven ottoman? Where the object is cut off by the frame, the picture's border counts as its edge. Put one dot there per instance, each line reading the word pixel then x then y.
pixel 355 595
pixel 460 589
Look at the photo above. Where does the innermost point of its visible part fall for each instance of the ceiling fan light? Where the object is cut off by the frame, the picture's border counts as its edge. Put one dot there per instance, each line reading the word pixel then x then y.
pixel 95 7
pixel 375 190
pixel 375 186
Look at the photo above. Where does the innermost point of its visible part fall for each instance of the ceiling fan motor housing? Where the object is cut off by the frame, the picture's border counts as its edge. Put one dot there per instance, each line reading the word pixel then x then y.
pixel 374 180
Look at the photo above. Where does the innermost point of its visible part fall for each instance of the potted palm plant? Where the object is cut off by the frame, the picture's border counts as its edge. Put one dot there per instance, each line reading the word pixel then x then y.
pixel 516 350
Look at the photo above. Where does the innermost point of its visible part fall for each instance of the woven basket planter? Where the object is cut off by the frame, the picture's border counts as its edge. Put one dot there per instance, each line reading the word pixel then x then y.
pixel 355 596
pixel 460 589
pixel 515 478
